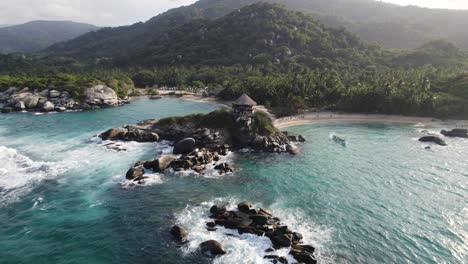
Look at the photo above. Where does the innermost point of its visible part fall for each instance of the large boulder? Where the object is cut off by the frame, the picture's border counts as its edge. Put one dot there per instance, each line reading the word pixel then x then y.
pixel 101 95
pixel 179 233
pixel 54 94
pixel 19 106
pixel 433 139
pixel 117 133
pixel 48 107
pixel 160 164
pixel 184 146
pixel 212 247
pixel 31 101
pixel 135 173
pixel 463 133
pixel 293 149
pixel 44 93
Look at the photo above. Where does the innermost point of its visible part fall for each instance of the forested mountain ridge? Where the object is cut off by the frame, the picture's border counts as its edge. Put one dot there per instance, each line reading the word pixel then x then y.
pixel 259 34
pixel 37 35
pixel 389 25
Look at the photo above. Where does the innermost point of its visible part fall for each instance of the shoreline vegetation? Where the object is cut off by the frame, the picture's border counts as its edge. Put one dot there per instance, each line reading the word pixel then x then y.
pixel 323 116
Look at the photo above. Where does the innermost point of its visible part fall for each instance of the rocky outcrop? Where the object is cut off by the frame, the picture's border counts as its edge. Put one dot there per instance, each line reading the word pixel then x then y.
pixel 202 139
pixel 48 107
pixel 184 146
pixel 130 133
pixel 462 133
pixel 100 96
pixel 212 247
pixel 261 222
pixel 433 139
pixel 53 100
pixel 179 233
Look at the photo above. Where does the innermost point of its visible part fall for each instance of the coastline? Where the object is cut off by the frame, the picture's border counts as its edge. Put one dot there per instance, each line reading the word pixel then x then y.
pixel 334 117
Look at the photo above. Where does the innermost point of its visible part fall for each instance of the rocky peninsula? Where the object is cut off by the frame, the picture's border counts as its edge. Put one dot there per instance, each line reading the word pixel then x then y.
pixel 24 99
pixel 202 140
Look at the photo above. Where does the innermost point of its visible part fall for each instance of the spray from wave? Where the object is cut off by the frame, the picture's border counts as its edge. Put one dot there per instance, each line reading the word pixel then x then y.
pixel 19 174
pixel 248 248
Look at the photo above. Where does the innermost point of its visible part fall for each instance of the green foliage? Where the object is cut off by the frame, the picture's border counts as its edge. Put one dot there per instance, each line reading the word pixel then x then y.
pixel 262 124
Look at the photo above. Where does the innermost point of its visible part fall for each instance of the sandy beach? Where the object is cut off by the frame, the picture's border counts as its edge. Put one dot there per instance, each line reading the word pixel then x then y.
pixel 329 117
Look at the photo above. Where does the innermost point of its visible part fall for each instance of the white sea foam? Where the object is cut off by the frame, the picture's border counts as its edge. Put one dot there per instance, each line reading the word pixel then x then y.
pixel 209 171
pixel 247 248
pixel 18 173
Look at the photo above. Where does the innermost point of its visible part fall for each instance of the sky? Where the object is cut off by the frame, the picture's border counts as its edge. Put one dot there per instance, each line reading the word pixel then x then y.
pixel 125 12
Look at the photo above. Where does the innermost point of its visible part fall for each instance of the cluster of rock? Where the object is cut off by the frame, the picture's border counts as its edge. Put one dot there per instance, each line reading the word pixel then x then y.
pixel 16 99
pixel 260 222
pixel 186 157
pixel 462 133
pixel 199 146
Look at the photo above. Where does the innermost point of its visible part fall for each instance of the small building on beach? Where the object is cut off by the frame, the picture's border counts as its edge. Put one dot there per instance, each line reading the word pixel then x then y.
pixel 243 108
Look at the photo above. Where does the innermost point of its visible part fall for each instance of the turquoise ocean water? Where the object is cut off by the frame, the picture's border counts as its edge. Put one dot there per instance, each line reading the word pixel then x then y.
pixel 382 198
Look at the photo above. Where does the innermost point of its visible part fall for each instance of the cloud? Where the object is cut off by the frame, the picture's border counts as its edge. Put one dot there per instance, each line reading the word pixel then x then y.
pixel 452 4
pixel 99 12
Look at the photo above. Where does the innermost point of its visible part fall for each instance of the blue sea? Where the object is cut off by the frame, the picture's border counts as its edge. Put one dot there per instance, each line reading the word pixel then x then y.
pixel 380 198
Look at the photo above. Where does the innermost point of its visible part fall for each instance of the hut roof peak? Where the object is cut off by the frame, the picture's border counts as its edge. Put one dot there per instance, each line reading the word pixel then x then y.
pixel 245 100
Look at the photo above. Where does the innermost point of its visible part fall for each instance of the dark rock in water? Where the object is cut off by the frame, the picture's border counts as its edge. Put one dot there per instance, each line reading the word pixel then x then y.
pixel 247 230
pixel 135 173
pixel 212 247
pixel 185 146
pixel 179 233
pixel 301 138
pixel 130 133
pixel 303 248
pixel 210 224
pixel 223 168
pixel 269 250
pixel 244 207
pixel 304 257
pixel 218 209
pixel 266 212
pixel 282 241
pixel 160 164
pixel 271 257
pixel 433 139
pixel 297 237
pixel 463 133
pixel 259 219
pixel 211 229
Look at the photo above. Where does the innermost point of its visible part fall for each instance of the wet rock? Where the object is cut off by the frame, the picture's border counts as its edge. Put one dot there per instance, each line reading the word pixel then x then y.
pixel 303 257
pixel 282 241
pixel 212 247
pixel 160 164
pixel 433 139
pixel 218 209
pixel 223 168
pixel 184 146
pixel 179 233
pixel 259 219
pixel 301 138
pixel 135 173
pixel 244 207
pixel 462 133
pixel 293 149
pixel 130 133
